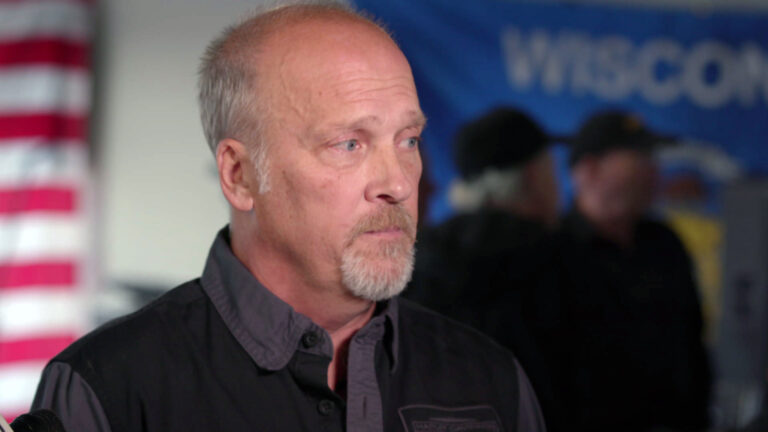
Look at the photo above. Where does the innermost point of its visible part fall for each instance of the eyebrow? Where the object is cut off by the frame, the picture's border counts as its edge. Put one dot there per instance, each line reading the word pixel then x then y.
pixel 412 118
pixel 416 118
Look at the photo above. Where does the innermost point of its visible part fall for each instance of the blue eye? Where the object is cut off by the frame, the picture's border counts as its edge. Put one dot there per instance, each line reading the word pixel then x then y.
pixel 412 142
pixel 349 145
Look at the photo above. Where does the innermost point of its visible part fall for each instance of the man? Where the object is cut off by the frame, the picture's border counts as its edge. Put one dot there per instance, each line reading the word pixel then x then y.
pixel 638 361
pixel 314 120
pixel 504 162
pixel 493 264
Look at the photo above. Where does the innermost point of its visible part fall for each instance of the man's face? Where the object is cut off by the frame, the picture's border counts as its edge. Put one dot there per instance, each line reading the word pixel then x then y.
pixel 626 180
pixel 342 133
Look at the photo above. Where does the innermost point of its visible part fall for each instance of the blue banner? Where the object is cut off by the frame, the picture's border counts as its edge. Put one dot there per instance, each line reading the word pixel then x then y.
pixel 702 76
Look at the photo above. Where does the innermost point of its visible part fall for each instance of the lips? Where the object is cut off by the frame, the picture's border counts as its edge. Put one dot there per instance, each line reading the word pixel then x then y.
pixel 386 233
pixel 389 222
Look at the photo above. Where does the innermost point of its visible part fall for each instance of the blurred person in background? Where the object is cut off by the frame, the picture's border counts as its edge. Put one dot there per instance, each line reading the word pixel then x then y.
pixel 637 358
pixel 492 265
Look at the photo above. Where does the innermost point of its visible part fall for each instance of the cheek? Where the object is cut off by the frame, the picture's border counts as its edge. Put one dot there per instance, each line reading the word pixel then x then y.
pixel 620 173
pixel 417 166
pixel 308 199
pixel 615 185
pixel 335 200
pixel 627 179
pixel 413 169
pixel 640 177
pixel 316 213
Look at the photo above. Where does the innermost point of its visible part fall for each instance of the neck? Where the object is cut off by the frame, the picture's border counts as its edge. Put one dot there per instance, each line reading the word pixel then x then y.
pixel 619 229
pixel 340 316
pixel 337 370
pixel 620 232
pixel 323 300
pixel 337 311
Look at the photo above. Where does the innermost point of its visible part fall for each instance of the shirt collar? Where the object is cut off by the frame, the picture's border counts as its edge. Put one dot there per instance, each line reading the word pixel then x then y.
pixel 269 329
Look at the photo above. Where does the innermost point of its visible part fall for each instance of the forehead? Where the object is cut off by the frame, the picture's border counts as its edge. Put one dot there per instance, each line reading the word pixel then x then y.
pixel 328 56
pixel 325 33
pixel 626 158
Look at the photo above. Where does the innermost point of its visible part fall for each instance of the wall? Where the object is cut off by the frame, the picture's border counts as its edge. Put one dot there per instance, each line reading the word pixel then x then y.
pixel 157 188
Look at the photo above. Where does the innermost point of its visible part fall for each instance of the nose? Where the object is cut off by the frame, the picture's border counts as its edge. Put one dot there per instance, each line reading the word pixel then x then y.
pixel 392 176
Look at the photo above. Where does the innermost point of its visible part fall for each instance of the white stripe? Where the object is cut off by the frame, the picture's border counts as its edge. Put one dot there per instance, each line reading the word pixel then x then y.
pixel 42 236
pixel 33 313
pixel 27 162
pixel 4 426
pixel 24 19
pixel 19 382
pixel 43 88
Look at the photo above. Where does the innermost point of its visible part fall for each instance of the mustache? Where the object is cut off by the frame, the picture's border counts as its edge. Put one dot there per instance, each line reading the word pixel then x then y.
pixel 391 216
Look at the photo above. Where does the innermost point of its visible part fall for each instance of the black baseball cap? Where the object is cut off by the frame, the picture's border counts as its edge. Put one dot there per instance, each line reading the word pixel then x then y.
pixel 501 138
pixel 614 129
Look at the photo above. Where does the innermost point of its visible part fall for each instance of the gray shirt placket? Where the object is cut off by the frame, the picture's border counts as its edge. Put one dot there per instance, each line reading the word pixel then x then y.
pixel 364 410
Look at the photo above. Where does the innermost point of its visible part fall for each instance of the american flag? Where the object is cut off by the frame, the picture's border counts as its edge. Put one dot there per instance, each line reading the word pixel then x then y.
pixel 44 187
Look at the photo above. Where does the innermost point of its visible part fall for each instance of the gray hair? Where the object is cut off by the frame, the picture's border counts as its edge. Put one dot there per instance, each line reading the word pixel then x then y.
pixel 492 185
pixel 229 106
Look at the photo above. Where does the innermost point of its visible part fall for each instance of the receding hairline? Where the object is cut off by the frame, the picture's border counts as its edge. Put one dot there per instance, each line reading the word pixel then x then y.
pixel 230 74
pixel 257 27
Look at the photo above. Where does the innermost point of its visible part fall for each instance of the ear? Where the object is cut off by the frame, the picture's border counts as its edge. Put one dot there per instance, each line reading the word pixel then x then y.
pixel 233 161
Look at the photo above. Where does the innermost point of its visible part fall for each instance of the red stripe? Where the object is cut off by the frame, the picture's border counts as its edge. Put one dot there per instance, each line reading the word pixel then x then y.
pixel 44 51
pixel 43 125
pixel 11 416
pixel 55 273
pixel 50 199
pixel 40 348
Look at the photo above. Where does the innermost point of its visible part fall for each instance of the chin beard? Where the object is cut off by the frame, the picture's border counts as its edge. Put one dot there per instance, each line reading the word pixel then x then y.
pixel 380 274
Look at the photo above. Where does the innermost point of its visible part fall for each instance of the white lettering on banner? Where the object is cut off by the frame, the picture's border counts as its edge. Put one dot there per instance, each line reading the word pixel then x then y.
pixel 709 73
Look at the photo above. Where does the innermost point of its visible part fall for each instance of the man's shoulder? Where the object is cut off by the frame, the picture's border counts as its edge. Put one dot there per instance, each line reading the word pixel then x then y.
pixel 137 333
pixel 436 334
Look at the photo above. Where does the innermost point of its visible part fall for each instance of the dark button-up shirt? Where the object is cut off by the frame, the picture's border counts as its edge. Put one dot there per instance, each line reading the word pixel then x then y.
pixel 224 353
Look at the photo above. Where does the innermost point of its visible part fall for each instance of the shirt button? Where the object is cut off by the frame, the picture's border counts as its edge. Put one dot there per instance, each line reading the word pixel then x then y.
pixel 310 339
pixel 325 407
